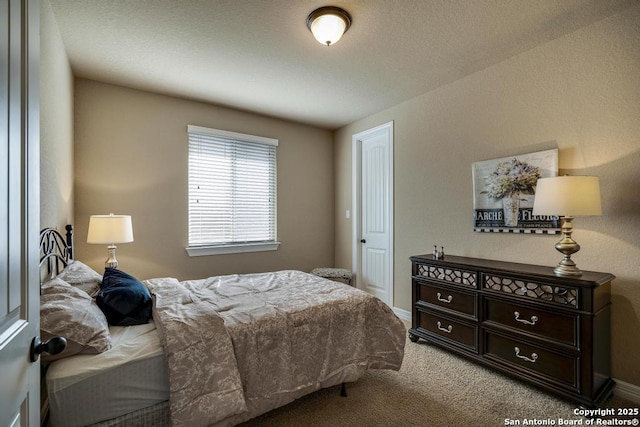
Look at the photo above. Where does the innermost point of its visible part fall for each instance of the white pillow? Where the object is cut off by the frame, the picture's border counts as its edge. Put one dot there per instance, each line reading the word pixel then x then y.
pixel 69 312
pixel 81 276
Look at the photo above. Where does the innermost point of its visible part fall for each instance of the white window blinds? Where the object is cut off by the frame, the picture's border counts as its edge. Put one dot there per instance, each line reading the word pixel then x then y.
pixel 232 188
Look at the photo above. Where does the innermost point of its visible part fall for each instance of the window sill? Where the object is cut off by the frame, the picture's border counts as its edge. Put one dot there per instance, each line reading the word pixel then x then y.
pixel 231 249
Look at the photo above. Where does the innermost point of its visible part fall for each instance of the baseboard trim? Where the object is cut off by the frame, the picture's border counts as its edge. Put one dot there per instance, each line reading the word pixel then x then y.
pixel 627 391
pixel 402 314
pixel 623 389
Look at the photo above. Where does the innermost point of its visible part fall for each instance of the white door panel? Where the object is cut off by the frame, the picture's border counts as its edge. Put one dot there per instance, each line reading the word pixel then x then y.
pixel 374 202
pixel 374 272
pixel 19 211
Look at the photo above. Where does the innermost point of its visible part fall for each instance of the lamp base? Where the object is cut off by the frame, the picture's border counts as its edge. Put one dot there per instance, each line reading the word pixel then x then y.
pixel 111 261
pixel 567 270
pixel 567 246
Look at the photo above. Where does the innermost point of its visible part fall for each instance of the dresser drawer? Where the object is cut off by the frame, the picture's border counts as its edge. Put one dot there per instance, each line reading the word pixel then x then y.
pixel 451 330
pixel 448 274
pixel 447 298
pixel 566 296
pixel 556 367
pixel 555 326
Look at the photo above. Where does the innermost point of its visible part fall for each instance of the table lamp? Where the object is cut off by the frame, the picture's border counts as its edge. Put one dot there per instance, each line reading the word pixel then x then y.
pixel 567 197
pixel 109 230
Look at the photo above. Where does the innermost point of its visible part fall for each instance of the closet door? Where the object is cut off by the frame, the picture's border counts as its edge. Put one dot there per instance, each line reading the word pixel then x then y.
pixel 19 211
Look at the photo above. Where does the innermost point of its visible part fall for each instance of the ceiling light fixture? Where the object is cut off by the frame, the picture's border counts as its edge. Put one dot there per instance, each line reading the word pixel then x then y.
pixel 328 24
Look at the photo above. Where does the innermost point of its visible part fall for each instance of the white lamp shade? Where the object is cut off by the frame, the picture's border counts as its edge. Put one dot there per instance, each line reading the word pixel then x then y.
pixel 108 229
pixel 328 29
pixel 568 196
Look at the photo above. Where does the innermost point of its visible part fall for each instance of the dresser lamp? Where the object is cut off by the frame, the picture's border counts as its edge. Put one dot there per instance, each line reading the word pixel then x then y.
pixel 567 197
pixel 109 230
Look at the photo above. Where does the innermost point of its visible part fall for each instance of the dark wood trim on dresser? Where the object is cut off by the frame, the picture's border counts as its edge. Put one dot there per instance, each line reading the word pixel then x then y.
pixel 520 319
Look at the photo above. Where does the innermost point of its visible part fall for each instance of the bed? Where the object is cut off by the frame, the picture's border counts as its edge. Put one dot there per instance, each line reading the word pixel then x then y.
pixel 217 351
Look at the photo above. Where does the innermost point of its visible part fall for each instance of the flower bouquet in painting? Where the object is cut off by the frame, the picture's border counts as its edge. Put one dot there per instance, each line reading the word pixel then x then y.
pixel 508 182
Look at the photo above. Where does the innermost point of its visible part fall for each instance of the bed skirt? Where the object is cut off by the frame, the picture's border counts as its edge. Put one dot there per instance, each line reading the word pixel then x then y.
pixel 157 416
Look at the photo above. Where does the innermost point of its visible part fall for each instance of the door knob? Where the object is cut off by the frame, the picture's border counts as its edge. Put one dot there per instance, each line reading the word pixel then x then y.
pixel 363 241
pixel 53 346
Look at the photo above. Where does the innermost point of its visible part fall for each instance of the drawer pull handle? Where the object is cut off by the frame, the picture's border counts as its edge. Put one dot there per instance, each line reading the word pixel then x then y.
pixel 533 320
pixel 532 359
pixel 447 299
pixel 448 329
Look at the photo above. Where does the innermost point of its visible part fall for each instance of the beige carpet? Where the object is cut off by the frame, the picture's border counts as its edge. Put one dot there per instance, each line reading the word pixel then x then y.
pixel 433 388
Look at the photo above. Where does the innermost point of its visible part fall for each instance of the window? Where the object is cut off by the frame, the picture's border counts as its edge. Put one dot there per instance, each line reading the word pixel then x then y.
pixel 232 192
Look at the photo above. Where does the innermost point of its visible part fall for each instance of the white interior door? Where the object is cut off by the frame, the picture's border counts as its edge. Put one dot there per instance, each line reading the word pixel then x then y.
pixel 19 211
pixel 373 189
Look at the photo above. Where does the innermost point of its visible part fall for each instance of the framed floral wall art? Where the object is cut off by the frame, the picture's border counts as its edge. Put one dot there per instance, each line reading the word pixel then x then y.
pixel 503 193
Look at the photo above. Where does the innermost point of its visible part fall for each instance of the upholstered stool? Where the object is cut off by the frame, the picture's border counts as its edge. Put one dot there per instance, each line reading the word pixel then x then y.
pixel 339 274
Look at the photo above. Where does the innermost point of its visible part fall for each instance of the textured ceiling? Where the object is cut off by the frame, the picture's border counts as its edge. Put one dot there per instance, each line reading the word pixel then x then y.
pixel 259 56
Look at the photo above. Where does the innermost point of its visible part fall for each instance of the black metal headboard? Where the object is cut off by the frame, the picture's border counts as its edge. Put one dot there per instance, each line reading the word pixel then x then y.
pixel 56 252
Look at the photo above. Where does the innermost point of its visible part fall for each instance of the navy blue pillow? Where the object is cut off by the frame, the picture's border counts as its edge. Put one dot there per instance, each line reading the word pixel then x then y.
pixel 123 299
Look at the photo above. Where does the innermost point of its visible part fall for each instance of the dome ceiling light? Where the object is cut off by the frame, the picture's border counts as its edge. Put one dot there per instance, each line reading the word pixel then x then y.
pixel 328 24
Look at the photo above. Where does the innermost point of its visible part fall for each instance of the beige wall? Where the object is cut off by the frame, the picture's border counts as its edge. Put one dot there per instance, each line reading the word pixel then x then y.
pixel 56 125
pixel 579 93
pixel 131 158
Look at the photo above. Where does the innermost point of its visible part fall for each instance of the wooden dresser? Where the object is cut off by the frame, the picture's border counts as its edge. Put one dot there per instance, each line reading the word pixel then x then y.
pixel 553 332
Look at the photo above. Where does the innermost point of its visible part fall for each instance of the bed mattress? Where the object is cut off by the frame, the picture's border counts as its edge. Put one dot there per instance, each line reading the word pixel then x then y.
pixel 93 388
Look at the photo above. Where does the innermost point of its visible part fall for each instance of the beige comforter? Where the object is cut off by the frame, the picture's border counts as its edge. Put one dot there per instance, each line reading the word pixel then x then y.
pixel 238 346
